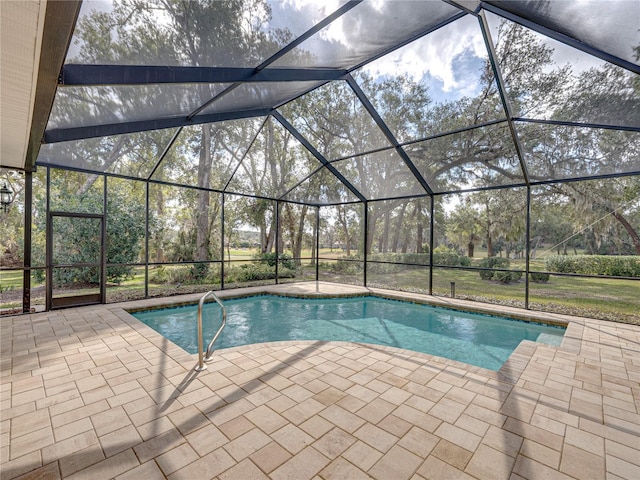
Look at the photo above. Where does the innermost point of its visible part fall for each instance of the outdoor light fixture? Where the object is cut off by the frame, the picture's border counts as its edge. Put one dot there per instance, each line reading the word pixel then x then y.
pixel 6 197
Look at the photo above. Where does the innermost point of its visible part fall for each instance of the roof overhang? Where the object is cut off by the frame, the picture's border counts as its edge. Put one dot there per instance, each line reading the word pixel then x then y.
pixel 35 35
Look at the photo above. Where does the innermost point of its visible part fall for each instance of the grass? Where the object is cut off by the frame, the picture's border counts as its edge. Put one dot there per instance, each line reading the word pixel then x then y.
pixel 601 297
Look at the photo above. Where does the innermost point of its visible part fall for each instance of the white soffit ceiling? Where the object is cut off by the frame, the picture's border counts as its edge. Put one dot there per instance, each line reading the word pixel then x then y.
pixel 22 24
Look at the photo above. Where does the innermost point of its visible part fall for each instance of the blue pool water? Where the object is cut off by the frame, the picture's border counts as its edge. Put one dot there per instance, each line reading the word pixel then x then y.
pixel 480 340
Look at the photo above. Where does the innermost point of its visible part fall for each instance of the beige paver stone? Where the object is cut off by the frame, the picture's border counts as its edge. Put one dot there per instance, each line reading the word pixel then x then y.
pixel 109 468
pixel 585 409
pixel 292 438
pixel 435 469
pixel 236 427
pixel 303 466
pixel 585 441
pixel 229 412
pixel 622 468
pixel 22 464
pixel 395 425
pixel 30 442
pixel 457 435
pixel 530 469
pixel 503 441
pixel 623 452
pixel 376 437
pixel 188 419
pixel 209 466
pixel 266 419
pixel 29 422
pixel 541 453
pixel 340 469
pixel 246 444
pixel 270 457
pixel 341 417
pixel 419 442
pixel 334 443
pixel 316 426
pixel 351 403
pixel 158 445
pixel 155 428
pixel 50 471
pixel 176 458
pixel 69 446
pixel 74 428
pixel 534 433
pixel 452 454
pixel 489 463
pixel 472 424
pixel 419 419
pixel 397 463
pixel 81 459
pixel 245 469
pixel 581 464
pixel 376 410
pixel 116 442
pixel 362 455
pixel 146 471
pixel 110 420
pixel 206 439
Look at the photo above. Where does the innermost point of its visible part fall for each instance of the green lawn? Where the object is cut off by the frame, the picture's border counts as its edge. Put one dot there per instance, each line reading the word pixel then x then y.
pixel 596 297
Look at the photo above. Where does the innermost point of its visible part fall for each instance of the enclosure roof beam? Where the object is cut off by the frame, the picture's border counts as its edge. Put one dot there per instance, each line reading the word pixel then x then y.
pixel 285 123
pixel 109 75
pixel 388 133
pixel 499 9
pixel 502 90
pixel 92 131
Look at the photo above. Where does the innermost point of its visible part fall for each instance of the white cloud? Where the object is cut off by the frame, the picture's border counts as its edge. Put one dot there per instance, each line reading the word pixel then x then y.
pixel 434 55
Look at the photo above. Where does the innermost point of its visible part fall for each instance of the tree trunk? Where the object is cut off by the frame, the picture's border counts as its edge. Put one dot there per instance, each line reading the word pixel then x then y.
pixel 399 228
pixel 489 246
pixel 313 239
pixel 420 228
pixel 202 209
pixel 470 248
pixel 384 240
pixel 635 238
pixel 299 236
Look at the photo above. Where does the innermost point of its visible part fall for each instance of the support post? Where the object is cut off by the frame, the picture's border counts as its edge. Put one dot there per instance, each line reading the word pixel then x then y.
pixel 146 241
pixel 366 241
pixel 222 244
pixel 103 244
pixel 277 238
pixel 317 243
pixel 431 242
pixel 26 273
pixel 528 249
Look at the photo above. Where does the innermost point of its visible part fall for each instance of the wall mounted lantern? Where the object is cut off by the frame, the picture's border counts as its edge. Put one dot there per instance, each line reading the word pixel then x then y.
pixel 6 197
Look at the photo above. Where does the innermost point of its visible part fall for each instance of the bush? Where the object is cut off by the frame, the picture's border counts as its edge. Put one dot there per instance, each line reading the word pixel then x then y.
pixel 538 277
pixel 270 259
pixel 609 265
pixel 252 272
pixel 507 277
pixel 493 262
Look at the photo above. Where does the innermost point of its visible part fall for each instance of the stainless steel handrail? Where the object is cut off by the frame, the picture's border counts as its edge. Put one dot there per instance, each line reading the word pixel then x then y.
pixel 201 357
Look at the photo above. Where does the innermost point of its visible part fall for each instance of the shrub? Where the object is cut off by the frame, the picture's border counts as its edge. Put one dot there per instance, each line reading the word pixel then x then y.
pixel 511 276
pixel 252 272
pixel 538 277
pixel 270 258
pixel 609 265
pixel 493 262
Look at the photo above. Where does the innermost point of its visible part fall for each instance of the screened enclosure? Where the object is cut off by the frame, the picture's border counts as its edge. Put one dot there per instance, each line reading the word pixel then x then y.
pixel 484 150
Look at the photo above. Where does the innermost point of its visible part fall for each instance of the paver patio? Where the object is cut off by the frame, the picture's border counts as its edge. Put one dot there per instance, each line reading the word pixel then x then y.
pixel 92 393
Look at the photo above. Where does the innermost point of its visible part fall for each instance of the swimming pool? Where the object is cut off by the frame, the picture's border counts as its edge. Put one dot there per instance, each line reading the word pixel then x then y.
pixel 481 340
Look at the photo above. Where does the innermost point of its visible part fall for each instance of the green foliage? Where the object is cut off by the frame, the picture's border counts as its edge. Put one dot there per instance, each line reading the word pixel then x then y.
pixel 443 255
pixel 538 277
pixel 495 262
pixel 270 258
pixel 609 265
pixel 251 272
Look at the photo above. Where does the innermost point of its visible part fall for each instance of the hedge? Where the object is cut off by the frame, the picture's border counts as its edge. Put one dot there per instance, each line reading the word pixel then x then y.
pixel 607 265
pixel 511 276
